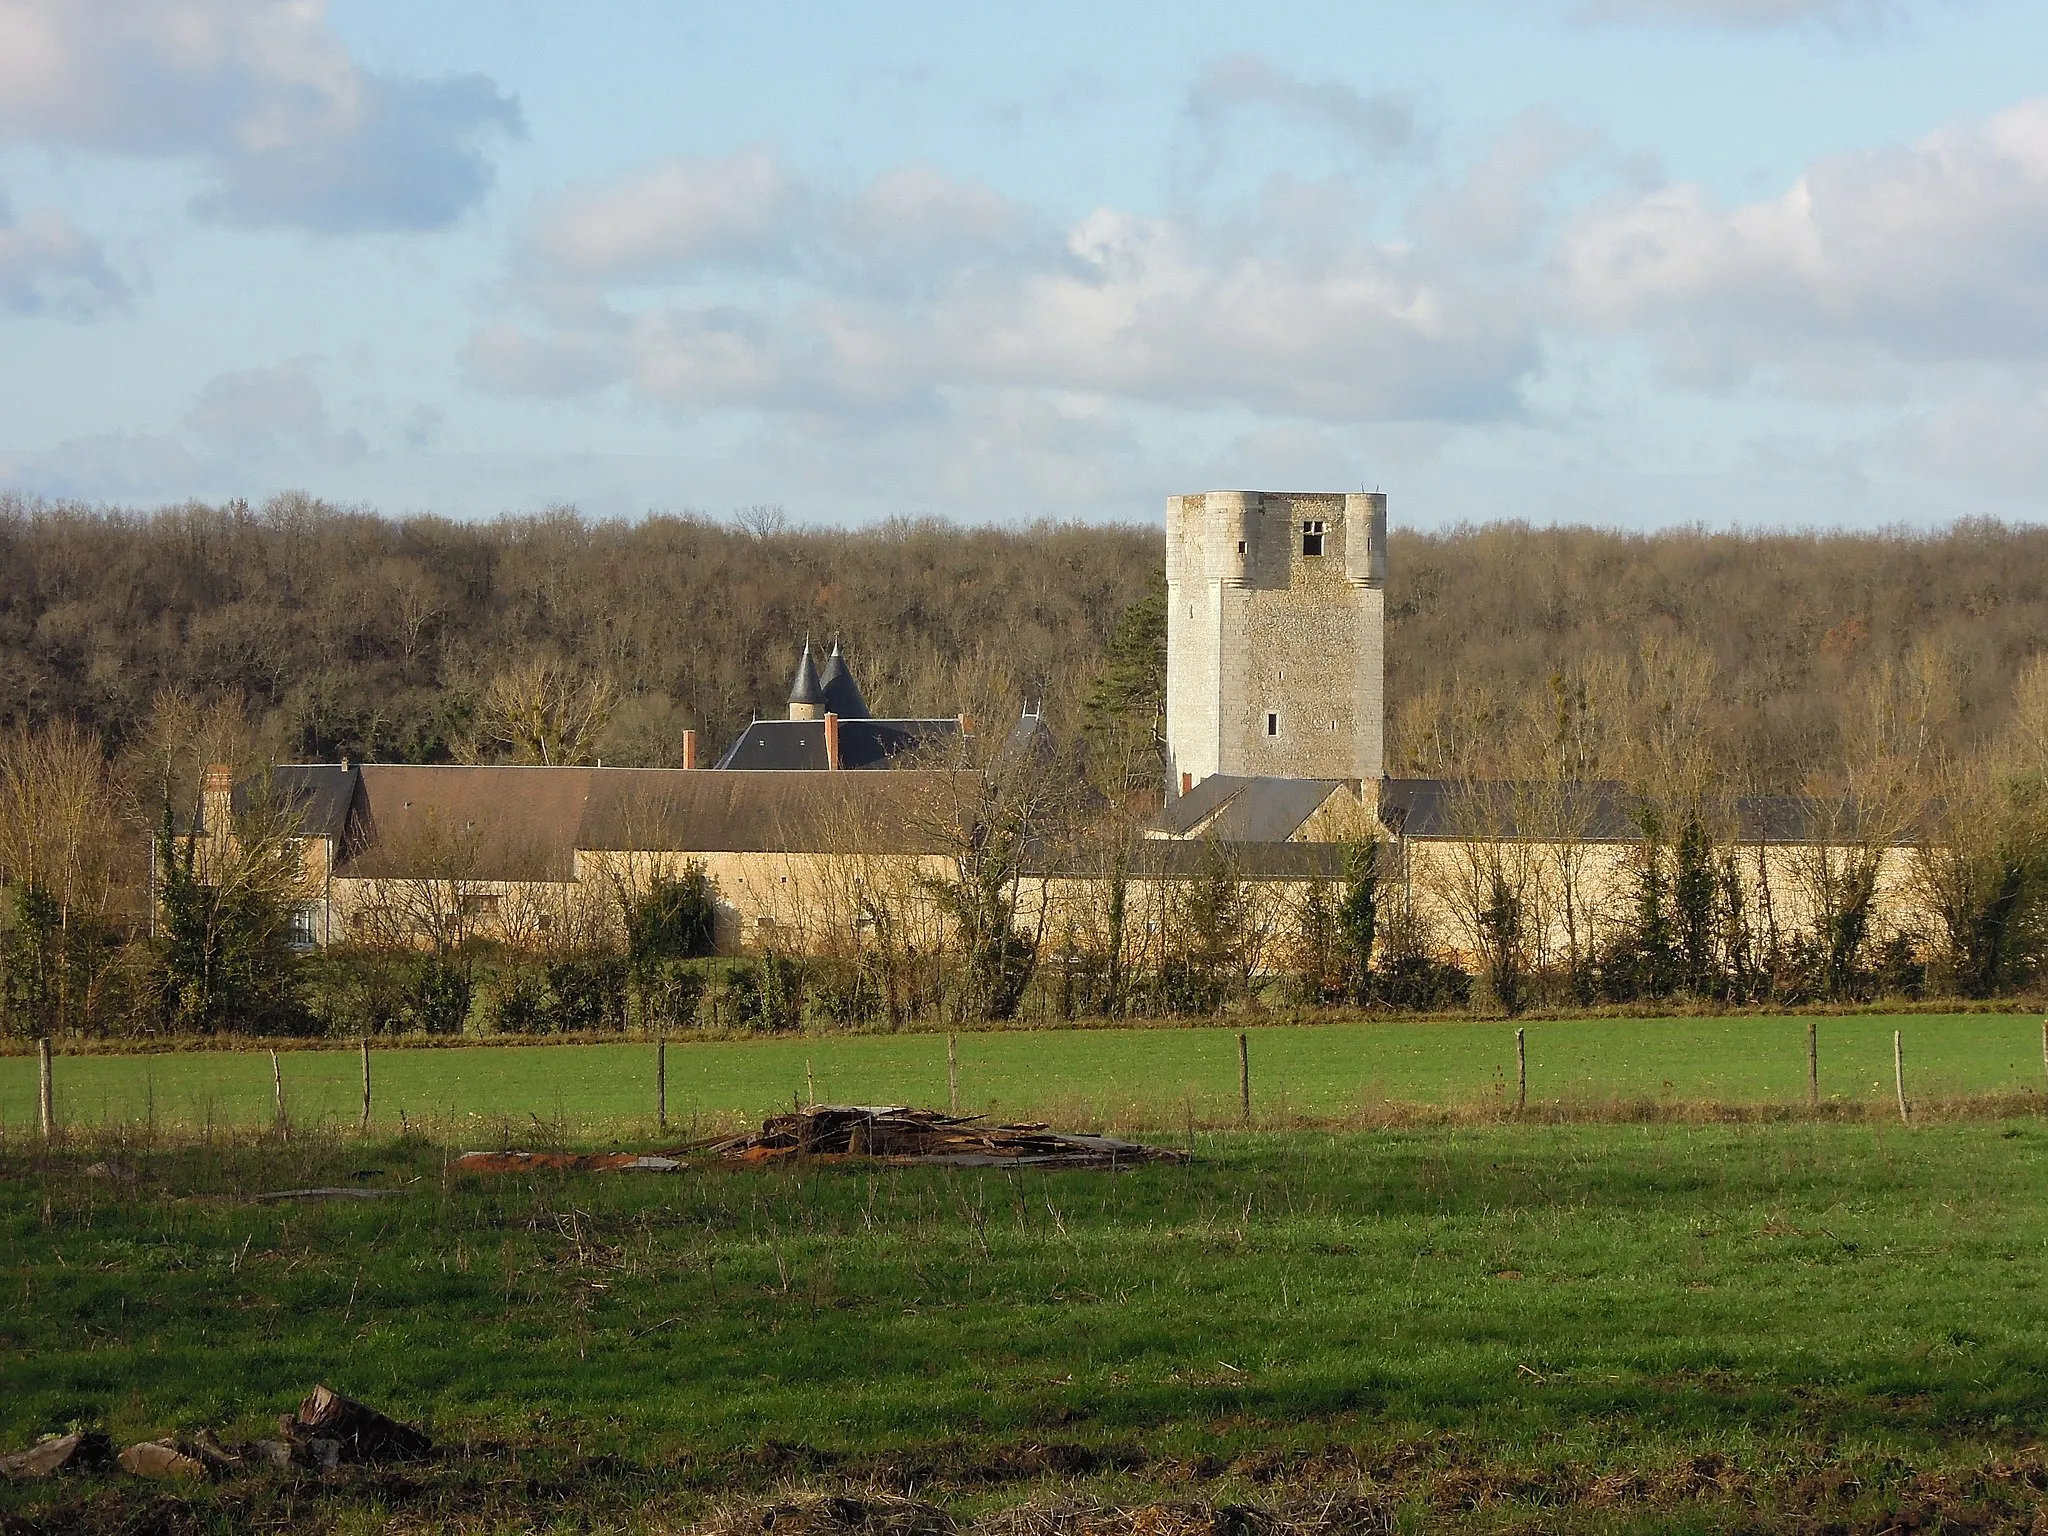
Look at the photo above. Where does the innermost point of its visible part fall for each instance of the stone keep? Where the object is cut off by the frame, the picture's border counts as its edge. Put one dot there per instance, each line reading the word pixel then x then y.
pixel 1275 635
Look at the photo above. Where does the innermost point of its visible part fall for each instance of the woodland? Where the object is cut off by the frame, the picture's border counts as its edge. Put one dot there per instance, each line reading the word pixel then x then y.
pixel 348 634
pixel 1893 679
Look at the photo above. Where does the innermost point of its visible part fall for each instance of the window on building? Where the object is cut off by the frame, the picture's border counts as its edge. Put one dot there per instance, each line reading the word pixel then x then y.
pixel 480 904
pixel 1240 546
pixel 305 927
pixel 1312 536
pixel 1272 723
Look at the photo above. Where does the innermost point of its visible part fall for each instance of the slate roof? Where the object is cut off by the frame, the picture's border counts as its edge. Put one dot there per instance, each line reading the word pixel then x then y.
pixel 1602 810
pixel 863 743
pixel 1234 808
pixel 806 689
pixel 317 796
pixel 839 692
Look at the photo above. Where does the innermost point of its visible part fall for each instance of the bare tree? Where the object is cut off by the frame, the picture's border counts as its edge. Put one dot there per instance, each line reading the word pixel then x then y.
pixel 543 712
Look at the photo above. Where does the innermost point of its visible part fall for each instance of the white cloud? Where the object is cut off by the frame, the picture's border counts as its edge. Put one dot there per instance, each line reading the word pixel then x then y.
pixel 917 285
pixel 48 266
pixel 1933 252
pixel 260 92
pixel 689 212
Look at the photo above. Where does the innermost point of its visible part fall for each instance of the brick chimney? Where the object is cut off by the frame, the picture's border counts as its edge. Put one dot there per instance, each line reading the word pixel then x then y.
pixel 216 799
pixel 1187 782
pixel 832 740
pixel 689 749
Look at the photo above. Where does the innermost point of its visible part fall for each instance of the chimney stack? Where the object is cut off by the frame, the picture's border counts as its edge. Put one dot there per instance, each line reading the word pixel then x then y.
pixel 831 740
pixel 216 797
pixel 689 749
pixel 1187 782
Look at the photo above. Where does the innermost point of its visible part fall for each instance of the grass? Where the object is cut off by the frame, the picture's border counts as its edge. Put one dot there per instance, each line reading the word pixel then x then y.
pixel 1129 1076
pixel 1657 1326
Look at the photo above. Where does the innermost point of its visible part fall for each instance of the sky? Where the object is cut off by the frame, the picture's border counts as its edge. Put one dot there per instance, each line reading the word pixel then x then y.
pixel 1636 263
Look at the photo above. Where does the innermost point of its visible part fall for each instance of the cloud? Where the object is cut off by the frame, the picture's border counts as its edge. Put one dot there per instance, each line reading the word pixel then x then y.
pixel 1379 123
pixel 690 212
pixel 1746 13
pixel 266 426
pixel 897 292
pixel 262 94
pixel 48 266
pixel 1932 252
pixel 747 211
pixel 268 413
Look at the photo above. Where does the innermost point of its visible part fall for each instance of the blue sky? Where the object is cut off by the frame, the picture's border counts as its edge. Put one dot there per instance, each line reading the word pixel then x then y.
pixel 1632 262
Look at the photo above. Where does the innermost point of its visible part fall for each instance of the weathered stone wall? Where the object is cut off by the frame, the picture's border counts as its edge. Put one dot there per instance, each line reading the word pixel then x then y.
pixel 1275 657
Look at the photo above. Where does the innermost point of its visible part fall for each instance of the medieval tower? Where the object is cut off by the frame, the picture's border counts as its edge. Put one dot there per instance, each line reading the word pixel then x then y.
pixel 1275 635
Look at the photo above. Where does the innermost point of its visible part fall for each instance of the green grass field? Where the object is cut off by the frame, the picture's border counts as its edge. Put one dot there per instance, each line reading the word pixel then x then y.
pixel 1798 1326
pixel 1134 1076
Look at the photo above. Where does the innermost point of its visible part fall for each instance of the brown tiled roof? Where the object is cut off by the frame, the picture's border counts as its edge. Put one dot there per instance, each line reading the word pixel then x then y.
pixel 740 810
pixel 503 822
pixel 483 822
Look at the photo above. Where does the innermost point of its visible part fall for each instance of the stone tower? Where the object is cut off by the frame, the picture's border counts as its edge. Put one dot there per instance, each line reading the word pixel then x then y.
pixel 1275 635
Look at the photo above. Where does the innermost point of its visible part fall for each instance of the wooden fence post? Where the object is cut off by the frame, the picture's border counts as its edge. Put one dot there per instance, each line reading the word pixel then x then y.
pixel 1521 1072
pixel 366 1082
pixel 953 1073
pixel 2044 1045
pixel 1244 1079
pixel 46 1090
pixel 277 1088
pixel 1812 1062
pixel 1899 1075
pixel 661 1080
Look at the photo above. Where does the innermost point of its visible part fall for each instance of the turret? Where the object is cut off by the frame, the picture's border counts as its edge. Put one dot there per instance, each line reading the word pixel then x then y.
pixel 806 694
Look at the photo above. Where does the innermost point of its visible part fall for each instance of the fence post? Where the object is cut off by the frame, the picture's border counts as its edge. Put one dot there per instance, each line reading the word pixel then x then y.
pixel 46 1090
pixel 366 1082
pixel 1899 1075
pixel 661 1079
pixel 1813 1062
pixel 277 1088
pixel 953 1073
pixel 1244 1079
pixel 2044 1045
pixel 1521 1072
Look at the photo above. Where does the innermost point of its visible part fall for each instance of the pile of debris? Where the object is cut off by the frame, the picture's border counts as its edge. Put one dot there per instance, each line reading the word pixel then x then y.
pixel 898 1134
pixel 326 1432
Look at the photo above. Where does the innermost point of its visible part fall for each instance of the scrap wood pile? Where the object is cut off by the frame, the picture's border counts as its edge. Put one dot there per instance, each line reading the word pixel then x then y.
pixel 898 1134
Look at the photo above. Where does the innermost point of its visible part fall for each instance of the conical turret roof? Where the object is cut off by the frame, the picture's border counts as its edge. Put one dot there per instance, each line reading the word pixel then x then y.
pixel 841 693
pixel 807 689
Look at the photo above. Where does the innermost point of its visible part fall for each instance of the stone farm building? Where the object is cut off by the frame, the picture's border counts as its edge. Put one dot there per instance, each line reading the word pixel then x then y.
pixel 811 825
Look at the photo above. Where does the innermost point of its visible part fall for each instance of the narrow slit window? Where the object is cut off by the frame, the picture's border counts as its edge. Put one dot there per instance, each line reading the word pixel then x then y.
pixel 1240 546
pixel 1272 723
pixel 1312 536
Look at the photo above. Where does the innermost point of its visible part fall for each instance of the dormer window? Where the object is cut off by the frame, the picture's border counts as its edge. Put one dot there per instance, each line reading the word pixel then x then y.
pixel 1312 536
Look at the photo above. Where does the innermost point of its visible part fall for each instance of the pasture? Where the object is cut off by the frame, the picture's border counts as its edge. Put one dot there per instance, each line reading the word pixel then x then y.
pixel 1786 1326
pixel 1155 1077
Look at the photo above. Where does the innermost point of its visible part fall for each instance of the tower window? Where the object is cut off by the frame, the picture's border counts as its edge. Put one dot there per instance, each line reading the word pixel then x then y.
pixel 1272 723
pixel 1312 536
pixel 1240 546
